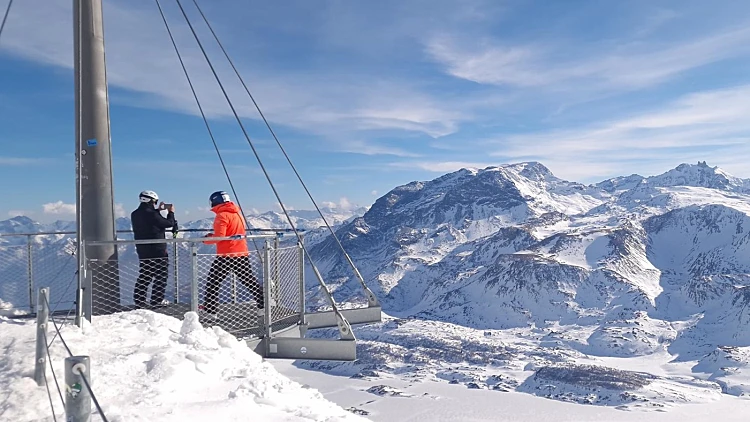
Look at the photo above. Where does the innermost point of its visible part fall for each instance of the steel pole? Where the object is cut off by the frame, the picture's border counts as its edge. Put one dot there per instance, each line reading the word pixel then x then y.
pixel 77 395
pixel 94 191
pixel 42 316
pixel 30 271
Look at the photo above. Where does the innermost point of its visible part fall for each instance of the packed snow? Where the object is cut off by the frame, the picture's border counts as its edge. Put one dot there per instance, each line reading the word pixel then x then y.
pixel 151 367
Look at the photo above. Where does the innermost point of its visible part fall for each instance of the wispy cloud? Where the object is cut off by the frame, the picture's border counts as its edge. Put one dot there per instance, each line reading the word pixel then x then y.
pixel 17 213
pixel 344 204
pixel 59 207
pixel 120 211
pixel 438 166
pixel 709 125
pixel 140 58
pixel 62 209
pixel 626 66
pixel 359 146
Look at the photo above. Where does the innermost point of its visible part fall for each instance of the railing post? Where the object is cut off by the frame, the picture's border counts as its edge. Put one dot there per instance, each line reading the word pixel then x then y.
pixel 276 277
pixel 79 299
pixel 30 270
pixel 194 277
pixel 301 258
pixel 86 282
pixel 267 282
pixel 42 317
pixel 77 395
pixel 176 271
pixel 234 288
pixel 82 275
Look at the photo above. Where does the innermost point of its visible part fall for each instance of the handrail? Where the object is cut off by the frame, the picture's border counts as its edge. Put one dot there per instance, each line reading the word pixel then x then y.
pixel 173 240
pixel 131 231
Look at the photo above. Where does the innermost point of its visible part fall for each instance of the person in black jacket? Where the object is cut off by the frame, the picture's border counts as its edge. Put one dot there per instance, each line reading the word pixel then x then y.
pixel 148 223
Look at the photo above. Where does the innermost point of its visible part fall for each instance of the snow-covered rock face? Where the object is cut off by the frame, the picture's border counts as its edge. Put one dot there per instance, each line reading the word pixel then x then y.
pixel 631 258
pixel 701 176
pixel 422 223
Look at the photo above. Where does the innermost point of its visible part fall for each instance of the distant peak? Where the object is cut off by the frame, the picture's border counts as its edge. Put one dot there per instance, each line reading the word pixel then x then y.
pixel 22 219
pixel 698 175
pixel 702 165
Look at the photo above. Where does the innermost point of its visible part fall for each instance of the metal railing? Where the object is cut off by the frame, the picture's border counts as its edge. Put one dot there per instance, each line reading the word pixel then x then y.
pixel 28 260
pixel 237 293
pixel 97 287
pixel 78 392
pixel 31 260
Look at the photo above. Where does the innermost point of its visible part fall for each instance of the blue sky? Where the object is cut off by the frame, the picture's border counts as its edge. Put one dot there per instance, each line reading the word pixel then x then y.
pixel 366 96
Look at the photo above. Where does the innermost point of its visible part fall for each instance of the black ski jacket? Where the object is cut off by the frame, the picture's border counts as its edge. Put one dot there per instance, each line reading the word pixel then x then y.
pixel 148 223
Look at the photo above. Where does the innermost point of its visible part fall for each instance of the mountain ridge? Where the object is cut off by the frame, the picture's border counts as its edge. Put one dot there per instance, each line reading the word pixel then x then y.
pixel 628 261
pixel 513 266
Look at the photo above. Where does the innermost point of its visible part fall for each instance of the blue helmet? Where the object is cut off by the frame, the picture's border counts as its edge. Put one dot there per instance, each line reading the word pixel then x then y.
pixel 218 197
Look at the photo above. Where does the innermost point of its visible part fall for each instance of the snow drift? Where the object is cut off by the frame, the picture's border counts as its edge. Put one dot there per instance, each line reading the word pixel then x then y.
pixel 150 367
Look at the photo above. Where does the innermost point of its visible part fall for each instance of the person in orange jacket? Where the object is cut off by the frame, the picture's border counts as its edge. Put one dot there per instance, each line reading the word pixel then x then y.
pixel 233 255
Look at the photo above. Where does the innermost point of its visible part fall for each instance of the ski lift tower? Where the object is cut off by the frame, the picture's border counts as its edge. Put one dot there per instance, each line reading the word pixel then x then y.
pixel 95 214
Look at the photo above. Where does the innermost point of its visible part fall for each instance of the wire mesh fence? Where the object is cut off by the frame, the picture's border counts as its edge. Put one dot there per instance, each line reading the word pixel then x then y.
pixel 230 291
pixel 227 290
pixel 285 284
pixel 14 276
pixel 56 267
pixel 131 282
pixel 27 261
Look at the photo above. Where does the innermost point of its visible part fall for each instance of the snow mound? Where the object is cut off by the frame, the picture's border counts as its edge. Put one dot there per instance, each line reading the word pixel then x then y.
pixel 151 367
pixel 728 366
pixel 7 309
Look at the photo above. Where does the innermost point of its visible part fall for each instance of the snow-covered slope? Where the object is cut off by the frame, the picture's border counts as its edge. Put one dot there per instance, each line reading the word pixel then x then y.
pixel 150 367
pixel 632 266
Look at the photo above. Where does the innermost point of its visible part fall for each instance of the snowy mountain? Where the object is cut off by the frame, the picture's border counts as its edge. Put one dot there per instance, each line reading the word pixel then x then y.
pixel 628 267
pixel 308 220
pixel 509 278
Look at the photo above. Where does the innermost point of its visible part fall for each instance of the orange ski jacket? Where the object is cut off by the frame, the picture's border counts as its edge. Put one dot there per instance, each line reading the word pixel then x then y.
pixel 228 222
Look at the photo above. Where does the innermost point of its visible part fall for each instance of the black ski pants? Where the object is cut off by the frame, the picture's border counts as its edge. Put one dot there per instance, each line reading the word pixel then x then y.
pixel 155 269
pixel 239 266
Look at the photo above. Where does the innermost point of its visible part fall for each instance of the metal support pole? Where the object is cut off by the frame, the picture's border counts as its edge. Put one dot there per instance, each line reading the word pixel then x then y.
pixel 94 191
pixel 267 282
pixel 276 277
pixel 30 270
pixel 42 317
pixel 176 272
pixel 82 275
pixel 194 277
pixel 234 288
pixel 79 309
pixel 77 395
pixel 301 258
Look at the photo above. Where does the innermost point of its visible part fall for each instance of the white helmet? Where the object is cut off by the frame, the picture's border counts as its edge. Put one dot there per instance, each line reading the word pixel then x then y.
pixel 148 196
